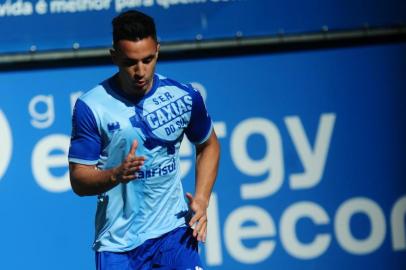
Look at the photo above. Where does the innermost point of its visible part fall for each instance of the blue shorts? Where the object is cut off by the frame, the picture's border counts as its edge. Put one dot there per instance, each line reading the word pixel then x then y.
pixel 177 249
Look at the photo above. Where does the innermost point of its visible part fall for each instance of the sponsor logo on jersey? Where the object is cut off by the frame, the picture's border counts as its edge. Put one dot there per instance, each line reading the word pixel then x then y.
pixel 160 170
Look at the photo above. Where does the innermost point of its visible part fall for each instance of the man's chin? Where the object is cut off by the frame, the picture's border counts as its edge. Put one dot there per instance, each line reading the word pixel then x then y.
pixel 144 87
pixel 139 90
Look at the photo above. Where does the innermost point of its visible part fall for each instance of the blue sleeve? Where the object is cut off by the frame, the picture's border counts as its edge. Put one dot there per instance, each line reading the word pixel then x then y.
pixel 200 125
pixel 85 145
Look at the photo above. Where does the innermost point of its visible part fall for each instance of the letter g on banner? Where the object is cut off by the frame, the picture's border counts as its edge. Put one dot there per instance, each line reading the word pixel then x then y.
pixel 6 144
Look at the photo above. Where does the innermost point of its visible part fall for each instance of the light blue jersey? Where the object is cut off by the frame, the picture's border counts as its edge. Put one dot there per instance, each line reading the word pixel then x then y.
pixel 105 123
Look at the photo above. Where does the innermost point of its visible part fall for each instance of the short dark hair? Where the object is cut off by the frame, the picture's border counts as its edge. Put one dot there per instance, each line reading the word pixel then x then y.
pixel 133 25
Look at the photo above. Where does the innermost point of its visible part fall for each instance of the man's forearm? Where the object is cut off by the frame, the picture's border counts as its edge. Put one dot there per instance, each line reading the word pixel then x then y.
pixel 207 161
pixel 87 180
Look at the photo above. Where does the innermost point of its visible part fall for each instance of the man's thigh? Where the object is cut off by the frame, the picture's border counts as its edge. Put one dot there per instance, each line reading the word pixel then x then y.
pixel 111 261
pixel 178 250
pixel 139 258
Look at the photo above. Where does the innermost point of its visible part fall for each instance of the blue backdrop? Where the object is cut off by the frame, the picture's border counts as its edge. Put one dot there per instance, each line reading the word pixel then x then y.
pixel 312 169
pixel 59 24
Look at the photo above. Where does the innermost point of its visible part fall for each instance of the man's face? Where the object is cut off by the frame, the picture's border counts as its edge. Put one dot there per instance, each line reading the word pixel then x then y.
pixel 136 62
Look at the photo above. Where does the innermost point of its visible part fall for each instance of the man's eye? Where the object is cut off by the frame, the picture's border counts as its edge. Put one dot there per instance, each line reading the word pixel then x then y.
pixel 128 63
pixel 147 61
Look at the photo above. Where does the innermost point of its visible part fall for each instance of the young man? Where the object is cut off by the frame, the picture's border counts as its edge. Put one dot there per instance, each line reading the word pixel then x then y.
pixel 124 148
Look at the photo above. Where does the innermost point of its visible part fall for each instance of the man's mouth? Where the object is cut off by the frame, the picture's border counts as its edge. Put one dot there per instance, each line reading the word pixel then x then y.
pixel 140 83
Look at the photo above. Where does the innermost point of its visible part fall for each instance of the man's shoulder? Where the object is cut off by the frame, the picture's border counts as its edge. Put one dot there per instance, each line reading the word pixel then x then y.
pixel 95 94
pixel 169 82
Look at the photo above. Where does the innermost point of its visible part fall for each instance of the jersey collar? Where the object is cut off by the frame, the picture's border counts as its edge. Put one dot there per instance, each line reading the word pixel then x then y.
pixel 112 83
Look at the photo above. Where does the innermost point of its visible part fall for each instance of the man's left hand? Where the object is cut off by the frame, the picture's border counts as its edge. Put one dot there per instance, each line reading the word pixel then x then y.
pixel 198 222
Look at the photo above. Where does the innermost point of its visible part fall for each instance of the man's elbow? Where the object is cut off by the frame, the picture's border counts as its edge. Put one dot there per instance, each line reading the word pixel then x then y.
pixel 77 188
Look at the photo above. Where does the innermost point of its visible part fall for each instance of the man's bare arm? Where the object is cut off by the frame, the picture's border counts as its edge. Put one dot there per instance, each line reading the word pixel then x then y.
pixel 87 180
pixel 207 161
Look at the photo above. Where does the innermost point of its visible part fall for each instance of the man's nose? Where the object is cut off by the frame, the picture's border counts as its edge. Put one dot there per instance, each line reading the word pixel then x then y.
pixel 139 70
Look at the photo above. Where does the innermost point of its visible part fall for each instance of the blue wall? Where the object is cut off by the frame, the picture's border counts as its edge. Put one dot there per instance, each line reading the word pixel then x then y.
pixel 58 24
pixel 312 170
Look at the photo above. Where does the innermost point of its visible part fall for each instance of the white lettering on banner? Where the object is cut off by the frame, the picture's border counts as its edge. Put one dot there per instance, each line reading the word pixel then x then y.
pixel 74 6
pixel 221 129
pixel 41 7
pixel 214 254
pixel 343 229
pixel 18 8
pixel 122 4
pixel 6 144
pixel 42 119
pixel 288 233
pixel 235 232
pixel 167 3
pixel 272 163
pixel 313 160
pixel 397 221
pixel 43 160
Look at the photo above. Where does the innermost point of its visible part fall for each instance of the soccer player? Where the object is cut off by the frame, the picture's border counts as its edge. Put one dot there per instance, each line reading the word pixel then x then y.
pixel 126 135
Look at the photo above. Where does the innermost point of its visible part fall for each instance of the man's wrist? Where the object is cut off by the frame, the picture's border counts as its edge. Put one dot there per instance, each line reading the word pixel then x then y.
pixel 114 176
pixel 203 200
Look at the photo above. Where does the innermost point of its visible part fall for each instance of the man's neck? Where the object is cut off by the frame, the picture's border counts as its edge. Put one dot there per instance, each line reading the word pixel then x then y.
pixel 130 91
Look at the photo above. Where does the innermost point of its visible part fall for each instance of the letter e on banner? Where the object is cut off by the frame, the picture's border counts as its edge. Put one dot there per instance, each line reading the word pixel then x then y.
pixel 43 160
pixel 6 144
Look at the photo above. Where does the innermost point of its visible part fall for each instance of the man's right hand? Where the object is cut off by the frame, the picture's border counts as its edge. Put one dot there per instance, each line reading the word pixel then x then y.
pixel 86 180
pixel 127 171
